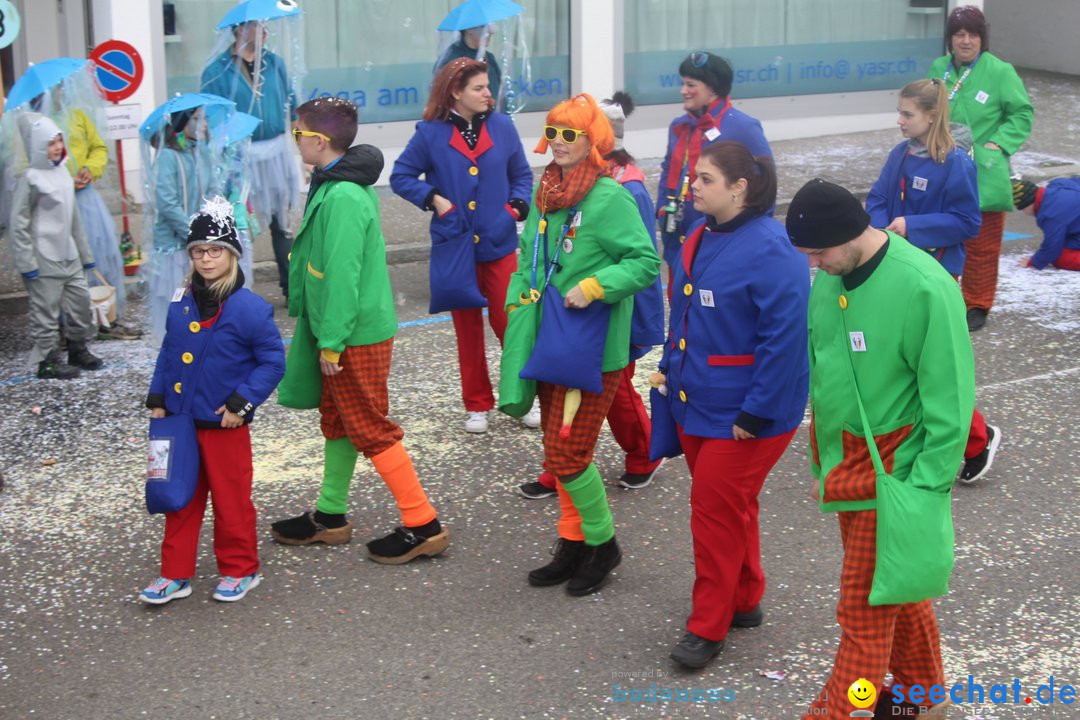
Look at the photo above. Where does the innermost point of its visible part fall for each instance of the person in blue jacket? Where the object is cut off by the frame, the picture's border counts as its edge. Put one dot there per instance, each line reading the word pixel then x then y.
pixel 477 184
pixel 221 347
pixel 928 193
pixel 706 90
pixel 736 378
pixel 1056 209
pixel 627 417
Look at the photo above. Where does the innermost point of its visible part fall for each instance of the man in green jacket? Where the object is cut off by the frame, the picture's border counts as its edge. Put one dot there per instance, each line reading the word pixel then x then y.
pixel 886 325
pixel 340 294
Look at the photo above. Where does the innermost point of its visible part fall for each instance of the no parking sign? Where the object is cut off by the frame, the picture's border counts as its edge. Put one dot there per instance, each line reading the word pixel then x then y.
pixel 9 23
pixel 118 68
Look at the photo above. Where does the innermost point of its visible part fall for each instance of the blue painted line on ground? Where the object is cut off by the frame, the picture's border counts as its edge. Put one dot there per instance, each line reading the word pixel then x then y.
pixel 1010 235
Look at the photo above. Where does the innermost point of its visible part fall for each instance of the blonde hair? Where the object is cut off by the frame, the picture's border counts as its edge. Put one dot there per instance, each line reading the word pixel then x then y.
pixel 931 97
pixel 224 285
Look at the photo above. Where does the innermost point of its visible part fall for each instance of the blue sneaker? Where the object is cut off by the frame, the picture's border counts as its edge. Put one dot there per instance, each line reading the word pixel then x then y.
pixel 230 589
pixel 164 589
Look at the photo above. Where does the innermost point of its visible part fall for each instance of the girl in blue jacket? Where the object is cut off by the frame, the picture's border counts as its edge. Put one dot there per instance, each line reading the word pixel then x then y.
pixel 928 193
pixel 709 118
pixel 927 190
pixel 477 183
pixel 737 376
pixel 222 346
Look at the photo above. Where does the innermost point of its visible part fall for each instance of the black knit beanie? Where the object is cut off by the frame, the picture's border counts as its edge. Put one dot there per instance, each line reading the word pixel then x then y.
pixel 823 215
pixel 1024 192
pixel 214 225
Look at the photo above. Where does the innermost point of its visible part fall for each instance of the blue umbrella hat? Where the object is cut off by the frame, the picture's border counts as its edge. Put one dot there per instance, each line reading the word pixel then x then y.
pixel 475 13
pixel 259 10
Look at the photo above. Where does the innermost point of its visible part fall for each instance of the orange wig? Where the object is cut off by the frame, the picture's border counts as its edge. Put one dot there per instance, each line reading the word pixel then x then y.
pixel 582 113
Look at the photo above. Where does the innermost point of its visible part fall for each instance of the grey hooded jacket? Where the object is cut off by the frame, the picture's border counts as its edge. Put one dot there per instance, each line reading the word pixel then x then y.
pixel 46 231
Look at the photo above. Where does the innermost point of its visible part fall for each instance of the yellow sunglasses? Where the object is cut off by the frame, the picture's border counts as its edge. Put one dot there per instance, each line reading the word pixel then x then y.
pixel 297 133
pixel 569 135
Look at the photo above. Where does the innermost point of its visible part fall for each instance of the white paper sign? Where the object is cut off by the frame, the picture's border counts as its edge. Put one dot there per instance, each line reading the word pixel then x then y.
pixel 122 121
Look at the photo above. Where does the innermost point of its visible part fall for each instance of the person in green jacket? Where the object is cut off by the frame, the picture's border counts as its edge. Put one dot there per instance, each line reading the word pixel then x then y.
pixel 339 291
pixel 584 254
pixel 988 97
pixel 886 324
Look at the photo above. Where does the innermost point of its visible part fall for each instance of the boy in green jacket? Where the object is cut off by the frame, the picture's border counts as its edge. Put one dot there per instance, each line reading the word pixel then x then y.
pixel 885 315
pixel 339 289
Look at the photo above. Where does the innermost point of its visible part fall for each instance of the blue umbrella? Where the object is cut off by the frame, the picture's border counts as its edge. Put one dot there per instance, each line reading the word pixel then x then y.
pixel 156 120
pixel 40 77
pixel 474 13
pixel 239 127
pixel 259 10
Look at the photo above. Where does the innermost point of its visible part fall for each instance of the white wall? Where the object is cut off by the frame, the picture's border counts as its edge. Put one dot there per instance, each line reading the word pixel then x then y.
pixel 1045 40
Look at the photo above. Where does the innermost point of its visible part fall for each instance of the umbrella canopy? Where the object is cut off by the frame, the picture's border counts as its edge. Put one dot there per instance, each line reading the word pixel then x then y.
pixel 475 13
pixel 41 77
pixel 259 10
pixel 157 119
pixel 239 127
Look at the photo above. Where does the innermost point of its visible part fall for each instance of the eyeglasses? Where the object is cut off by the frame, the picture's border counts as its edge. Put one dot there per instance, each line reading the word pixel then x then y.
pixel 297 133
pixel 699 58
pixel 569 135
pixel 213 251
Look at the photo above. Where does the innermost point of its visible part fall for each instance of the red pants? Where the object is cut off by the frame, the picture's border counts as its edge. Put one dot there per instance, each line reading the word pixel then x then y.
pixel 492 279
pixel 726 477
pixel 224 471
pixel 874 640
pixel 979 281
pixel 1068 260
pixel 977 437
pixel 629 423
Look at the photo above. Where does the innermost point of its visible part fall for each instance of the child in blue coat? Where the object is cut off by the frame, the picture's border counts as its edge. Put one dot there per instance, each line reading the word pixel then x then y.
pixel 1056 208
pixel 928 193
pixel 221 345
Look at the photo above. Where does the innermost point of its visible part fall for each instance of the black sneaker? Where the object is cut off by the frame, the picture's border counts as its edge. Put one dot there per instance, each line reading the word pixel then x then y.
pixel 80 357
pixel 536 490
pixel 405 544
pixel 694 651
pixel 749 619
pixel 633 481
pixel 594 568
pixel 979 465
pixel 305 530
pixel 976 318
pixel 53 367
pixel 566 556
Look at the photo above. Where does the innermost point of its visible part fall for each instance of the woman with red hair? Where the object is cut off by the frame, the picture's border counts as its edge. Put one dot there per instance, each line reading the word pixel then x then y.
pixel 584 254
pixel 476 182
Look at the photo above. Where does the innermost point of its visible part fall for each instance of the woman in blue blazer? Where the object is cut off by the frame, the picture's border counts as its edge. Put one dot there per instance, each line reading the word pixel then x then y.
pixel 736 382
pixel 477 183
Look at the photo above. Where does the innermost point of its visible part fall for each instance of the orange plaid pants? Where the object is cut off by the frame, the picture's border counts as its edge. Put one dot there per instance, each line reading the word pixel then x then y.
pixel 573 455
pixel 979 281
pixel 874 640
pixel 355 402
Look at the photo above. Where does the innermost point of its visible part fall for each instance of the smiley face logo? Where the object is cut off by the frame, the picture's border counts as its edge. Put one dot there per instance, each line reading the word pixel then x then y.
pixel 862 693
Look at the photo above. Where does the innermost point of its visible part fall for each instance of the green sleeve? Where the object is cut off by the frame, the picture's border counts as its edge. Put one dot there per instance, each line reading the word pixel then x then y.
pixel 346 227
pixel 937 347
pixel 1017 112
pixel 815 469
pixel 626 239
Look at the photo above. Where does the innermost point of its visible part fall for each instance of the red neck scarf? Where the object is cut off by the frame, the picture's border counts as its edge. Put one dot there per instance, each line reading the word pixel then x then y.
pixel 558 190
pixel 689 137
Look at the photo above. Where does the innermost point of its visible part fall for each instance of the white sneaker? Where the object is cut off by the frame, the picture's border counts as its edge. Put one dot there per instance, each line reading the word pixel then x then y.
pixel 477 422
pixel 531 419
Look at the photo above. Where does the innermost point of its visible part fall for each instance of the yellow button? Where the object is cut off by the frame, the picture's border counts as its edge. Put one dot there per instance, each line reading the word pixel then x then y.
pixel 194 326
pixel 188 358
pixel 682 239
pixel 176 387
pixel 472 204
pixel 843 302
pixel 474 170
pixel 682 396
pixel 682 343
pixel 289 256
pixel 476 238
pixel 687 289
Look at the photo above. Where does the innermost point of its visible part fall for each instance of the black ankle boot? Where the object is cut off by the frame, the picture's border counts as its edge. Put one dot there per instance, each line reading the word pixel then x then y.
pixel 80 357
pixel 53 367
pixel 596 564
pixel 567 554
